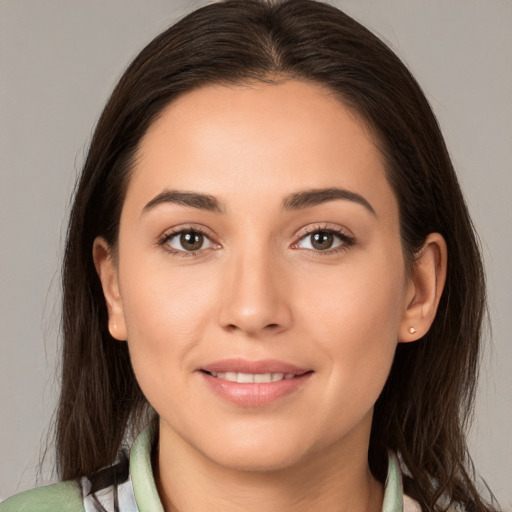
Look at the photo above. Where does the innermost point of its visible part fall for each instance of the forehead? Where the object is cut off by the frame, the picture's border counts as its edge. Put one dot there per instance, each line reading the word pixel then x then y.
pixel 244 141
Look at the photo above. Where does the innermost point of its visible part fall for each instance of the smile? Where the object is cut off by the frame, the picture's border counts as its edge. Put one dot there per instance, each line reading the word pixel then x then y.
pixel 252 377
pixel 252 384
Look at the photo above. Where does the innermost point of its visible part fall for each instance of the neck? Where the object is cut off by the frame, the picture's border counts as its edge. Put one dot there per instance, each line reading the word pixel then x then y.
pixel 337 479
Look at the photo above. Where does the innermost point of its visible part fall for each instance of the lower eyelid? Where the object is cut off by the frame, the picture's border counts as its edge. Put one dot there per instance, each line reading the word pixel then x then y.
pixel 206 241
pixel 167 237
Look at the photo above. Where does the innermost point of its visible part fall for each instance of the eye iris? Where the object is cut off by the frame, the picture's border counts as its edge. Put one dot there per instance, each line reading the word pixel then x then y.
pixel 322 240
pixel 191 241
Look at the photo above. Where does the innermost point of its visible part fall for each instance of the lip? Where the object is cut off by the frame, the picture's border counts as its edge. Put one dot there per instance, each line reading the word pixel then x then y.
pixel 240 365
pixel 254 394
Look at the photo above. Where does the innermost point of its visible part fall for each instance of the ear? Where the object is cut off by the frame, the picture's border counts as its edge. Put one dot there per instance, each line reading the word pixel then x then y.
pixel 107 272
pixel 424 289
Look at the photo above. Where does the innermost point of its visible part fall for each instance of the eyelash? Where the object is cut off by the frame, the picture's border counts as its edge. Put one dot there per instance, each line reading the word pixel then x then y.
pixel 166 237
pixel 346 240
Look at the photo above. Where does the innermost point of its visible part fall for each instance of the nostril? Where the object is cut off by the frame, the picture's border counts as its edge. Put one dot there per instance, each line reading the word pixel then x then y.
pixel 269 327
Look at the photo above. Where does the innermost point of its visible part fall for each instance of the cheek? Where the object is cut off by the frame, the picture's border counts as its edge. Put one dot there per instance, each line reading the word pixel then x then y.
pixel 359 297
pixel 166 312
pixel 354 314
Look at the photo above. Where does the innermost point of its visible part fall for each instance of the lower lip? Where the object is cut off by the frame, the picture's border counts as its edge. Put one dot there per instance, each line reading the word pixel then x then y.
pixel 255 394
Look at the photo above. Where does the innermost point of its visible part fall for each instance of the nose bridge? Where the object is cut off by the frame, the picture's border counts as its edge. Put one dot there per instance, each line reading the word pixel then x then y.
pixel 254 296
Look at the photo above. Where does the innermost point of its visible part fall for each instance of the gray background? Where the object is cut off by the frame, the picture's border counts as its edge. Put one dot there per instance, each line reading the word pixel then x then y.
pixel 59 60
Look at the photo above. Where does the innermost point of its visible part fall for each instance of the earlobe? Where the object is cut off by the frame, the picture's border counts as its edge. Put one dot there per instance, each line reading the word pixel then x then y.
pixel 107 272
pixel 424 289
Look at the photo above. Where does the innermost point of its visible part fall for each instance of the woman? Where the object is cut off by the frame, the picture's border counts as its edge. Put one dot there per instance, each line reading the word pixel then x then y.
pixel 270 263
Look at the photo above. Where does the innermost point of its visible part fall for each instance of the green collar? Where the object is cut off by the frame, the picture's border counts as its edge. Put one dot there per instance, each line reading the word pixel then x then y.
pixel 141 472
pixel 148 500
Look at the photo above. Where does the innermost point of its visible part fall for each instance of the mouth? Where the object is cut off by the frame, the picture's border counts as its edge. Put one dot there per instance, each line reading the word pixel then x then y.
pixel 257 378
pixel 254 383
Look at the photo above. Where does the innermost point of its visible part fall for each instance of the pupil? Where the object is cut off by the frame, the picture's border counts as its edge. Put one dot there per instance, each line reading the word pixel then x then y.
pixel 322 240
pixel 191 241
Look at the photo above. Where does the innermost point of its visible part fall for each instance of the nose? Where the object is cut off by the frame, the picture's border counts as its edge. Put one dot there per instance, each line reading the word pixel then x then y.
pixel 254 299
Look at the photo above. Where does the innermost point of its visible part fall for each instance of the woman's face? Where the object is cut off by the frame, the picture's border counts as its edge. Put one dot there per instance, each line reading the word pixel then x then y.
pixel 260 280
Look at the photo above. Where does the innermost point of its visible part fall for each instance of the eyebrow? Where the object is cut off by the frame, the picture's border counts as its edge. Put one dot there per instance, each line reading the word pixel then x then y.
pixel 192 199
pixel 314 197
pixel 295 201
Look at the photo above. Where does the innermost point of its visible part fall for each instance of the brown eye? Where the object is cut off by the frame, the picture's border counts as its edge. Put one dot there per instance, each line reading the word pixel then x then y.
pixel 322 240
pixel 189 241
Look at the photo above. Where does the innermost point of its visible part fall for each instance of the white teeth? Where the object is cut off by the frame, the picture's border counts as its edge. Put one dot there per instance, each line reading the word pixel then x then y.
pixel 232 376
pixel 263 377
pixel 245 377
pixel 252 377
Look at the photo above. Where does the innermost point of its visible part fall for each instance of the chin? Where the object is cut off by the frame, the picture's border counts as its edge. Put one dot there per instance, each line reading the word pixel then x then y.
pixel 257 461
pixel 249 454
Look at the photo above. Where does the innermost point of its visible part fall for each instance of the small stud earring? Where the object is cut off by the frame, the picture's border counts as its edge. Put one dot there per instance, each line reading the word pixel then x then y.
pixel 412 330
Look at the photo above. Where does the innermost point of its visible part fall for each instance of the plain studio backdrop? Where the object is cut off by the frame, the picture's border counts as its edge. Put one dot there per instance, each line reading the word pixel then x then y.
pixel 59 60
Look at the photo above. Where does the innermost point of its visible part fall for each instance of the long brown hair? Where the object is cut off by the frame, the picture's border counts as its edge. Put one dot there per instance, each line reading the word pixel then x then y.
pixel 426 403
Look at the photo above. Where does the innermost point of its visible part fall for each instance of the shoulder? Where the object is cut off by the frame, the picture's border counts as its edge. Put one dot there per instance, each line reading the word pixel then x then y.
pixel 64 497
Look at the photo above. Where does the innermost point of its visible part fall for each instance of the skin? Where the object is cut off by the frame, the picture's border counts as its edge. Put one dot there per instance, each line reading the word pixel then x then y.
pixel 258 289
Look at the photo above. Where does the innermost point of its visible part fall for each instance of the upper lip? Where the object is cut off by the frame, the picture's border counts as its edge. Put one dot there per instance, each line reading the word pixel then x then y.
pixel 240 365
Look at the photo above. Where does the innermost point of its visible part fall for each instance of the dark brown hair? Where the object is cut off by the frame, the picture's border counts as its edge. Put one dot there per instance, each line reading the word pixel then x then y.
pixel 426 403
